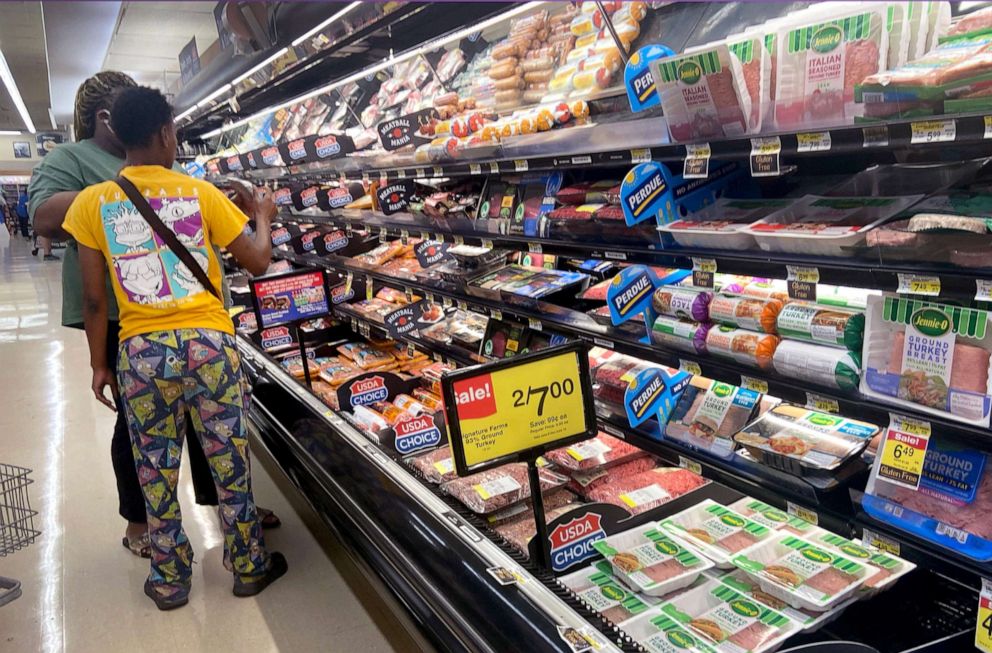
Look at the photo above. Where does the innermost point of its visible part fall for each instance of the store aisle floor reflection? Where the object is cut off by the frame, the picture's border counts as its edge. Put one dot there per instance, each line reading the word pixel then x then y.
pixel 82 590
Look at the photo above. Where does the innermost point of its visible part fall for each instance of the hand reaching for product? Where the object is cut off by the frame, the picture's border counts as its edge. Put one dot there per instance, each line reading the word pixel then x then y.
pixel 265 206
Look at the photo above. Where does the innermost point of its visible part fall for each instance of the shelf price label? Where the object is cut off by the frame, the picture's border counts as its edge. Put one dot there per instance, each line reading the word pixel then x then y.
pixel 516 409
pixel 581 160
pixel 765 160
pixel 640 155
pixel 933 131
pixel 988 126
pixel 697 161
pixel 904 450
pixel 401 174
pixel 534 248
pixel 383 178
pixel 494 167
pixel 983 630
pixel 420 172
pixel 691 465
pixel 880 542
pixel 438 171
pixel 802 512
pixel 474 169
pixel 703 272
pixel 983 291
pixel 875 136
pixel 487 244
pixel 813 142
pixel 690 367
pixel 520 165
pixel 753 384
pixel 822 404
pixel 802 282
pixel 918 284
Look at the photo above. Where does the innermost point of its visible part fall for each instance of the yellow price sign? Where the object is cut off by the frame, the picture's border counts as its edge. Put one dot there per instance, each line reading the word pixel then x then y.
pixel 916 284
pixel 902 457
pixel 516 409
pixel 983 630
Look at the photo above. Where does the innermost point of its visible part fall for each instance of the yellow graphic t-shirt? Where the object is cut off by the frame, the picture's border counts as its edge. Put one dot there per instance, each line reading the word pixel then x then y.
pixel 154 289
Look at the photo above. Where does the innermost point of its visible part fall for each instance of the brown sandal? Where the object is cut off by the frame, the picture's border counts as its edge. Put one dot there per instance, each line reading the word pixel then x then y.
pixel 141 547
pixel 267 519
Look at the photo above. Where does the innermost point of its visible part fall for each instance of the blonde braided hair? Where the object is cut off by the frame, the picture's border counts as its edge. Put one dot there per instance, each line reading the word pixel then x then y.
pixel 94 94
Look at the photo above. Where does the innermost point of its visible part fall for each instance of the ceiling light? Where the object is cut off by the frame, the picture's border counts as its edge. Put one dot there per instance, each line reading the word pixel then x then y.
pixel 207 100
pixel 51 116
pixel 185 113
pixel 327 22
pixel 15 95
pixel 257 68
pixel 9 133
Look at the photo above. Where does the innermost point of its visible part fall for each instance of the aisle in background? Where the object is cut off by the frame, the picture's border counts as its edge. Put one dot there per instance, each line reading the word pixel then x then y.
pixel 82 590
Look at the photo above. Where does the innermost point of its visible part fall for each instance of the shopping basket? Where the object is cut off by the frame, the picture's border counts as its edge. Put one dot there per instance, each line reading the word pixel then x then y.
pixel 16 521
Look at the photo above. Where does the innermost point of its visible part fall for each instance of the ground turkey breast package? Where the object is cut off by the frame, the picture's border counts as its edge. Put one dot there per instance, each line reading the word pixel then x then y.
pixel 820 62
pixel 703 93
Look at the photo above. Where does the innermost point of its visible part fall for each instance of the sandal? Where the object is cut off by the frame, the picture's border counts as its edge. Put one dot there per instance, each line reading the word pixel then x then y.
pixel 267 518
pixel 141 547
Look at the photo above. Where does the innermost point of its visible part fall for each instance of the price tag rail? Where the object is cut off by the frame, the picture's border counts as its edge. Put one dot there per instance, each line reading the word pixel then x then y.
pixel 576 324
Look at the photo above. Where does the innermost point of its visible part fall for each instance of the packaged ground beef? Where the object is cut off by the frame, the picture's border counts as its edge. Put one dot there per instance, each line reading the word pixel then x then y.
pixel 651 562
pixel 495 489
pixel 728 620
pixel 703 93
pixel 436 466
pixel 801 573
pixel 597 587
pixel 716 531
pixel 646 490
pixel 585 482
pixel 821 61
pixel 601 451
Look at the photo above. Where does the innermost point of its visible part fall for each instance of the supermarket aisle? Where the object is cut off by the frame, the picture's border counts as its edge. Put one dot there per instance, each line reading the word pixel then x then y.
pixel 82 590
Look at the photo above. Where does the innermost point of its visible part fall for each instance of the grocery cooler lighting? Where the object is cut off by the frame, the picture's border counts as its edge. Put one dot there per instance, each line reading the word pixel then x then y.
pixel 327 22
pixel 186 113
pixel 9 133
pixel 429 47
pixel 15 95
pixel 51 116
pixel 210 98
pixel 257 68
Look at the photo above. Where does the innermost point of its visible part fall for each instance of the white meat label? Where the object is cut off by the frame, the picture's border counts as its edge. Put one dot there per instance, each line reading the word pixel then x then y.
pixel 645 495
pixel 445 466
pixel 496 487
pixel 588 449
pixel 928 352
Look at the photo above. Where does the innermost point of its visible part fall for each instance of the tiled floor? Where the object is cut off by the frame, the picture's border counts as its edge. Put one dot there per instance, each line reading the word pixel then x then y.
pixel 82 590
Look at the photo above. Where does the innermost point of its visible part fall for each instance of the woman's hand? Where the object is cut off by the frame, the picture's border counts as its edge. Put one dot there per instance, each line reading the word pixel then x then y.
pixel 265 206
pixel 102 378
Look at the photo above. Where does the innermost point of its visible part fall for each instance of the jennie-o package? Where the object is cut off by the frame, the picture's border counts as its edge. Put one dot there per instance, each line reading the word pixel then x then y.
pixel 771 516
pixel 600 590
pixel 884 569
pixel 709 413
pixel 715 531
pixel 659 633
pixel 651 562
pixel 928 356
pixel 821 61
pixel 817 441
pixel 951 507
pixel 702 93
pixel 750 51
pixel 801 573
pixel 729 620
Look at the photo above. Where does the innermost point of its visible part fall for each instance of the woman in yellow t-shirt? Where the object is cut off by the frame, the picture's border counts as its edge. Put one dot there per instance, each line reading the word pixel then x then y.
pixel 177 347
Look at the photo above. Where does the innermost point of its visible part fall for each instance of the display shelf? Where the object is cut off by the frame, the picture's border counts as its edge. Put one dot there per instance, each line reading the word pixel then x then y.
pixel 958 284
pixel 375 506
pixel 576 324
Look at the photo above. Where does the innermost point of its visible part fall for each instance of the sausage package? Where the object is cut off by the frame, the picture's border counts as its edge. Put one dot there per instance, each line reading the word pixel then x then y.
pixel 649 561
pixel 820 61
pixel 792 437
pixel 746 312
pixel 703 93
pixel 746 347
pixel 709 413
pixel 728 620
pixel 715 531
pixel 802 573
pixel 827 366
pixel 836 327
pixel 930 357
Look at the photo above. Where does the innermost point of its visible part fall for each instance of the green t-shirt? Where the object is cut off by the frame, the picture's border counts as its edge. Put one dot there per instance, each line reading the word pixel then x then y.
pixel 73 167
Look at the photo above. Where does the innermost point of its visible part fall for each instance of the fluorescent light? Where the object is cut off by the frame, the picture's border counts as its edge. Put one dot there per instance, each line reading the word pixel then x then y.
pixel 257 68
pixel 372 70
pixel 327 22
pixel 15 95
pixel 185 113
pixel 51 116
pixel 9 133
pixel 220 91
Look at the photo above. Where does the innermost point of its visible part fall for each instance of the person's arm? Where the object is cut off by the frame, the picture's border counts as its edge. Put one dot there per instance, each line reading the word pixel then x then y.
pixel 49 215
pixel 254 253
pixel 94 270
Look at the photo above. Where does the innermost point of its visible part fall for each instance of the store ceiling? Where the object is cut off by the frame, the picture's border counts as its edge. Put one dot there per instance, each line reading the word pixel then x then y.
pixel 22 41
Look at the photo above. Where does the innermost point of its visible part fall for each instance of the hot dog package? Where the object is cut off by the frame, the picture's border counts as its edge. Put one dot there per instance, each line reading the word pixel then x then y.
pixel 930 357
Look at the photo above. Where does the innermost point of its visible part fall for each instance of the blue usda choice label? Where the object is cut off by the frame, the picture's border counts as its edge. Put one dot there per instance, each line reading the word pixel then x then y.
pixel 642 92
pixel 630 293
pixel 653 393
pixel 571 542
pixel 417 434
pixel 646 192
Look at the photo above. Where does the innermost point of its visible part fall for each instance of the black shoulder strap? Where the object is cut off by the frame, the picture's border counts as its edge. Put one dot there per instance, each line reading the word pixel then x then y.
pixel 166 234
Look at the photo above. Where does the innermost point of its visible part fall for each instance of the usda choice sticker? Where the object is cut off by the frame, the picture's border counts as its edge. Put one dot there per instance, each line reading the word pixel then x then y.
pixel 646 193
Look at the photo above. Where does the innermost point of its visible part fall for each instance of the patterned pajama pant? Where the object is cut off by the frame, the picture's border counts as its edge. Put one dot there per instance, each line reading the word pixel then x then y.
pixel 160 375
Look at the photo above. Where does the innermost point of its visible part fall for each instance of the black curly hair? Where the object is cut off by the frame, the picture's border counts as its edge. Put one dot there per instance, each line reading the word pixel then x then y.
pixel 138 114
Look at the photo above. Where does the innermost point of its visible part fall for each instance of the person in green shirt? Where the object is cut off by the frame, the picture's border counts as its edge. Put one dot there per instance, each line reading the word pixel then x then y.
pixel 95 157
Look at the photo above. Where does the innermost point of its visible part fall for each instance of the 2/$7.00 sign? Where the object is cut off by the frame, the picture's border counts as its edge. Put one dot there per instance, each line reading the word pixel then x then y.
pixel 515 410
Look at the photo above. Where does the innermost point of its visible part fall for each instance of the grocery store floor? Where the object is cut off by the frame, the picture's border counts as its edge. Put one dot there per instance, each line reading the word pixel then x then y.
pixel 82 590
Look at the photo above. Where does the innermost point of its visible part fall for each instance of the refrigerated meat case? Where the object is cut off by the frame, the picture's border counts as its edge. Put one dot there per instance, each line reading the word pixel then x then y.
pixel 430 551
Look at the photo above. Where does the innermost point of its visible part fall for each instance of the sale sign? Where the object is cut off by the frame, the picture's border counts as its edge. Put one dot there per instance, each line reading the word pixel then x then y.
pixel 904 451
pixel 518 408
pixel 290 297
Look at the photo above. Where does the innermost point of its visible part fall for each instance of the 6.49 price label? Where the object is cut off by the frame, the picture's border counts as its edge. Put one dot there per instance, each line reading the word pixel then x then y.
pixel 903 452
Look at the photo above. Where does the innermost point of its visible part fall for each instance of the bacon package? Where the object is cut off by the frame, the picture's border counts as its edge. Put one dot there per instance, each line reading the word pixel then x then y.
pixel 649 561
pixel 703 94
pixel 801 573
pixel 820 62
pixel 730 621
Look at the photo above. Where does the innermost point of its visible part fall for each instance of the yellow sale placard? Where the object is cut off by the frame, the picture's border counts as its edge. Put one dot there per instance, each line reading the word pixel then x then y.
pixel 511 410
pixel 983 630
pixel 903 454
